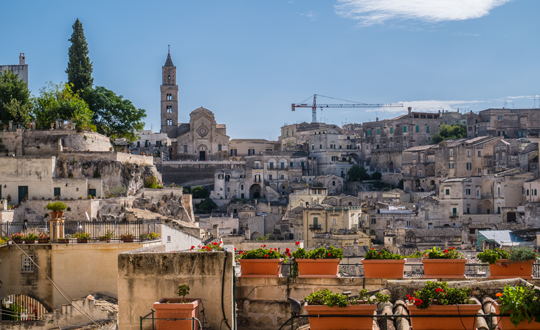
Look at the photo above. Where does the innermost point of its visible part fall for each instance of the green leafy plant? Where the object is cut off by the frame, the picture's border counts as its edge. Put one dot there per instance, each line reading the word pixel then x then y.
pixel 261 253
pixel 183 291
pixel 151 182
pixel 108 235
pixel 492 256
pixel 214 246
pixel 523 303
pixel 439 253
pixel 81 235
pixel 30 237
pixel 325 297
pixel 381 255
pixel 438 293
pixel 319 253
pixel 56 206
pixel 16 236
pixel 523 254
pixel 520 254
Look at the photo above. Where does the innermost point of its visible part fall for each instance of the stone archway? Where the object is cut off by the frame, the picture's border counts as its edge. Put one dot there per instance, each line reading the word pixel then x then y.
pixel 488 207
pixel 255 191
pixel 255 235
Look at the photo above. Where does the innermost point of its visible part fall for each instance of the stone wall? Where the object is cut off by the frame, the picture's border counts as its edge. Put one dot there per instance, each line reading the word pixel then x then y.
pixel 144 278
pixel 194 173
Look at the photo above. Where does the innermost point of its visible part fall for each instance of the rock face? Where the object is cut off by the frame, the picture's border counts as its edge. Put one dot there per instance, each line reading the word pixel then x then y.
pixel 165 205
pixel 117 178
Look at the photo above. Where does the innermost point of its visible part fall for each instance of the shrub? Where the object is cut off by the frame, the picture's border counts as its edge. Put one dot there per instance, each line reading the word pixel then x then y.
pixel 523 254
pixel 325 297
pixel 81 235
pixel 56 206
pixel 381 255
pixel 151 182
pixel 437 253
pixel 261 253
pixel 518 254
pixel 438 293
pixel 30 237
pixel 319 253
pixel 523 303
pixel 214 246
pixel 16 236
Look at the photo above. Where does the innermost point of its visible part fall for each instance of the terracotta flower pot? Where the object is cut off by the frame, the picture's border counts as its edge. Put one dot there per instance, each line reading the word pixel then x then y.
pixel 17 241
pixel 261 267
pixel 60 214
pixel 318 268
pixel 444 323
pixel 505 324
pixel 505 269
pixel 327 323
pixel 43 240
pixel 54 214
pixel 82 240
pixel 127 240
pixel 444 268
pixel 173 308
pixel 383 268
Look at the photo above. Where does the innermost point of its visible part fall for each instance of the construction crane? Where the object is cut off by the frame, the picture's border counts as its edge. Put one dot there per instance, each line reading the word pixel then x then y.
pixel 352 104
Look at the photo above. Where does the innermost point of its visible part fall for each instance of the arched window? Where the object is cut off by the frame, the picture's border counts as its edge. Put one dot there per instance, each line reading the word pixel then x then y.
pixel 169 77
pixel 169 122
pixel 169 109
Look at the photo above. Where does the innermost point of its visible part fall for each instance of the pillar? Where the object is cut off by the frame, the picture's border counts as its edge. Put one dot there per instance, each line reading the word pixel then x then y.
pixel 57 228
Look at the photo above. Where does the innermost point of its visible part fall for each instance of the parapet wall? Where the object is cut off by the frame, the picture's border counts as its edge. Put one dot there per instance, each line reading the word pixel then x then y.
pixel 194 173
pixel 108 155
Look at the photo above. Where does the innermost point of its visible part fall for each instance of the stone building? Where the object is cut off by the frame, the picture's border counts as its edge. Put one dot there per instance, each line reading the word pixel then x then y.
pixel 250 147
pixel 200 139
pixel 335 153
pixel 298 134
pixel 21 69
pixel 510 123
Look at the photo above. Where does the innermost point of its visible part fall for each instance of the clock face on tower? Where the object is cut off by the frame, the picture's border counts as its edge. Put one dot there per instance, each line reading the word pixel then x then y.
pixel 203 131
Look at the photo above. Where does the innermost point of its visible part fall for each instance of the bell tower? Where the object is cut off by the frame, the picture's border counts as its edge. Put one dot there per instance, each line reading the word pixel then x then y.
pixel 169 98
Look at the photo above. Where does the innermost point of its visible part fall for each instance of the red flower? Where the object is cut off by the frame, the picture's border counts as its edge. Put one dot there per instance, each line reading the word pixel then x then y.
pixel 329 254
pixel 379 253
pixel 445 251
pixel 287 250
pixel 297 243
pixel 192 247
pixel 266 255
pixel 265 245
pixel 373 248
pixel 235 249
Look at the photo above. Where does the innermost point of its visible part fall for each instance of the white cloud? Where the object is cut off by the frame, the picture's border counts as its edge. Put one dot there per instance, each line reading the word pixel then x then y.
pixel 370 12
pixel 311 15
pixel 427 106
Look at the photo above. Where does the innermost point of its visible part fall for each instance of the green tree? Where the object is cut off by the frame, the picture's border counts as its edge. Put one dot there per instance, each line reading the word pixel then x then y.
pixel 449 132
pixel 15 101
pixel 79 69
pixel 200 192
pixel 376 176
pixel 206 206
pixel 114 116
pixel 358 173
pixel 59 102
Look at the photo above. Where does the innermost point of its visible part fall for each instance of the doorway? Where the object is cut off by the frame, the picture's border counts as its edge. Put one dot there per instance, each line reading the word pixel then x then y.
pixel 202 155
pixel 23 192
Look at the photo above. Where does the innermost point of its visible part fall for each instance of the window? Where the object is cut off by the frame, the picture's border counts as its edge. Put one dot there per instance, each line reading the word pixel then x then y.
pixel 168 239
pixel 219 147
pixel 138 144
pixel 451 165
pixel 269 176
pixel 408 224
pixel 427 129
pixel 228 189
pixel 251 152
pixel 447 191
pixel 57 192
pixel 477 192
pixel 417 129
pixel 282 165
pixel 498 210
pixel 282 177
pixel 373 221
pixel 467 191
pixel 469 166
pixel 241 187
pixel 169 77
pixel 499 191
pixel 368 132
pixel 185 149
pixel 404 129
pixel 271 165
pixel 479 153
pixel 451 152
pixel 292 132
pixel 454 211
pixel 377 146
pixel 334 221
pixel 468 210
pixel 312 147
pixel 391 130
pixel 499 117
pixel 378 131
pixel 302 164
pixel 233 152
pixel 26 264
pixel 468 152
pixel 169 97
pixel 320 146
pixel 291 164
pixel 169 109
pixel 315 221
pixel 430 225
pixel 333 183
pixel 169 122
pixel 287 133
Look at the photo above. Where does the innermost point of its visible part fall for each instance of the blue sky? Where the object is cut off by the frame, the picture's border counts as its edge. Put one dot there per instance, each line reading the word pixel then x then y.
pixel 247 61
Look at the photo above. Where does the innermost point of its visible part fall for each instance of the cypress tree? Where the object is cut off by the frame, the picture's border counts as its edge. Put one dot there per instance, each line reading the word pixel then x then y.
pixel 79 68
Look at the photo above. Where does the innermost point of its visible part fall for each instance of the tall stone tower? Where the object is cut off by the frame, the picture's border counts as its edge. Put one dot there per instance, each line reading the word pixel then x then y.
pixel 169 98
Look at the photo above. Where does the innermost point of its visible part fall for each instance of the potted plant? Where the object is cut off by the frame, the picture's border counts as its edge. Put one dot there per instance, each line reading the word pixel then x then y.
pixel 261 262
pixel 447 263
pixel 17 238
pixel 126 238
pixel 82 237
pixel 320 262
pixel 144 237
pixel 213 246
pixel 436 298
pixel 8 198
pixel 43 238
pixel 80 197
pixel 153 235
pixel 503 264
pixel 30 238
pixel 179 308
pixel 520 306
pixel 89 197
pixel 324 302
pixel 383 264
pixel 107 237
pixel 64 240
pixel 57 209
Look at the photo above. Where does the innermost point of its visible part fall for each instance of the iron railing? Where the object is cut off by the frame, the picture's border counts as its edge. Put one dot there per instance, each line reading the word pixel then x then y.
pixel 95 229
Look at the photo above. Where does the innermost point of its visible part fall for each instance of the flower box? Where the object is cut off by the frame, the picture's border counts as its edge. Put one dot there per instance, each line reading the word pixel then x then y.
pixel 43 240
pixel 505 269
pixel 318 268
pixel 104 239
pixel 82 240
pixel 503 323
pixel 383 268
pixel 17 241
pixel 261 267
pixel 168 308
pixel 63 240
pixel 444 268
pixel 352 323
pixel 127 240
pixel 29 241
pixel 444 323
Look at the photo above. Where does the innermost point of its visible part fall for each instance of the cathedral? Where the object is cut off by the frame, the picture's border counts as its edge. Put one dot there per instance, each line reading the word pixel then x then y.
pixel 200 139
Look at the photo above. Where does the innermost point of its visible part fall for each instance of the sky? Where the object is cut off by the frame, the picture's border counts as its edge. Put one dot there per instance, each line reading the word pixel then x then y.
pixel 248 60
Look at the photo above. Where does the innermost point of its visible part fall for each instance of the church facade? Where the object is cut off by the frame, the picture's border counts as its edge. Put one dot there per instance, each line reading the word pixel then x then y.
pixel 200 139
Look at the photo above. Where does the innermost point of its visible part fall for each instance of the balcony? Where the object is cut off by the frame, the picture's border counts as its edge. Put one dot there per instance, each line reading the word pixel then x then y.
pixel 314 227
pixel 454 215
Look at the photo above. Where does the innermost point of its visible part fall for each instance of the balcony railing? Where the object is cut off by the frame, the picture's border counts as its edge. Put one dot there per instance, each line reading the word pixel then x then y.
pixel 314 227
pixel 453 215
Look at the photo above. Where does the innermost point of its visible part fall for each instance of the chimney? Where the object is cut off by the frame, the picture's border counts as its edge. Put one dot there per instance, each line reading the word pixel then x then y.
pixel 377 119
pixel 21 59
pixel 410 109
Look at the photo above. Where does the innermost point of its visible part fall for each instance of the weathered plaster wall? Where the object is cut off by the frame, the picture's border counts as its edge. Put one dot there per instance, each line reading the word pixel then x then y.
pixel 144 278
